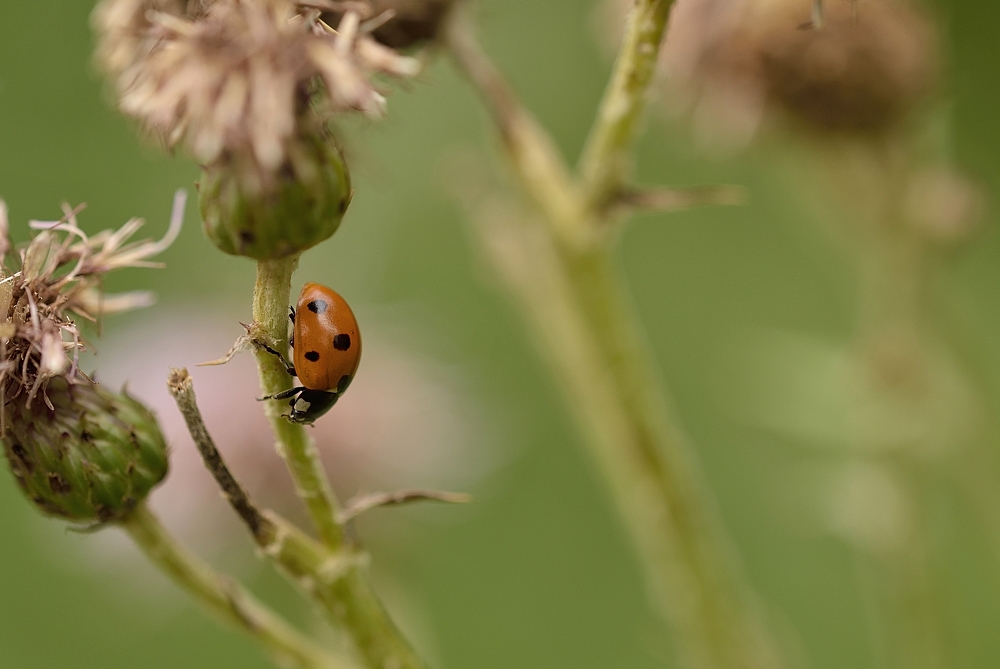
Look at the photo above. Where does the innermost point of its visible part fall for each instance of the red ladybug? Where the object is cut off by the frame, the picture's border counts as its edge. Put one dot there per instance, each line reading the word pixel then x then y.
pixel 326 346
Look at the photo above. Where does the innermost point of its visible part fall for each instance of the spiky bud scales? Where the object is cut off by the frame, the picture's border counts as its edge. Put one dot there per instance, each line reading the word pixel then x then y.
pixel 301 207
pixel 90 457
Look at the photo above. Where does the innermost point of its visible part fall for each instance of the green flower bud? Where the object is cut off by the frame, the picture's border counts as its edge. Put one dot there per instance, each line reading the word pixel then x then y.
pixel 298 207
pixel 91 458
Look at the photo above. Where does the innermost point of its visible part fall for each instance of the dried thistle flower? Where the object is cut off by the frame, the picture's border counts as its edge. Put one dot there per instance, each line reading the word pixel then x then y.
pixel 736 64
pixel 78 450
pixel 232 80
pixel 868 66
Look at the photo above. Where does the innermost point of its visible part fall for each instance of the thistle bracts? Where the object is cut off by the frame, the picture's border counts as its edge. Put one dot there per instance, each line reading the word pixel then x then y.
pixel 78 450
pixel 303 206
pixel 89 458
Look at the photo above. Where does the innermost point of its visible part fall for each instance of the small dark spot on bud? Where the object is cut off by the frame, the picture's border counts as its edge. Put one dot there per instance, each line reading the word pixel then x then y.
pixel 318 306
pixel 342 342
pixel 58 484
pixel 103 513
pixel 46 506
pixel 312 356
pixel 246 238
pixel 86 436
pixel 22 457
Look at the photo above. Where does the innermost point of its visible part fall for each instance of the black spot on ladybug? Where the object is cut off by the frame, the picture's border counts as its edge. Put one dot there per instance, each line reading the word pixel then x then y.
pixel 317 306
pixel 345 381
pixel 342 342
pixel 312 356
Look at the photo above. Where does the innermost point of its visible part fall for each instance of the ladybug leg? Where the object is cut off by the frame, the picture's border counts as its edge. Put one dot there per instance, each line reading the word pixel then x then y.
pixel 283 395
pixel 291 314
pixel 288 368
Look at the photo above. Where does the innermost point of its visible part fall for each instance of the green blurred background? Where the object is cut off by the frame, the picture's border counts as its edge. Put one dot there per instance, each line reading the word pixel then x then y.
pixel 536 573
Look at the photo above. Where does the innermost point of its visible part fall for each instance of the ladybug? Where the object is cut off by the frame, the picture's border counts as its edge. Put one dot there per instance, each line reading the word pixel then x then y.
pixel 326 347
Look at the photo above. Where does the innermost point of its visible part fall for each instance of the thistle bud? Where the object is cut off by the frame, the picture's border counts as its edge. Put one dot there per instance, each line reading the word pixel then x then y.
pixel 77 450
pixel 302 206
pixel 88 454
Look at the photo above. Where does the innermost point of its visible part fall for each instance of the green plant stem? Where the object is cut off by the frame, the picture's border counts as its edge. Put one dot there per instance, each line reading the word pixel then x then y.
pixel 565 274
pixel 338 582
pixel 606 161
pixel 529 148
pixel 225 598
pixel 270 316
pixel 658 484
pixel 334 579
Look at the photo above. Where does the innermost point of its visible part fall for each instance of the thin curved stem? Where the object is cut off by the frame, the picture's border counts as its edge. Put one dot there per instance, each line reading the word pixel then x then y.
pixel 531 151
pixel 691 566
pixel 225 598
pixel 270 316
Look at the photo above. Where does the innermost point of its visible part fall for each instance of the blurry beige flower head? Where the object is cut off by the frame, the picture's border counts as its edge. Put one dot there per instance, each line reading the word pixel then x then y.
pixel 734 65
pixel 869 65
pixel 236 80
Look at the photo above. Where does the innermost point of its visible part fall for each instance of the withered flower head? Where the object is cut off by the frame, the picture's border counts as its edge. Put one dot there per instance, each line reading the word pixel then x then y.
pixel 735 63
pixel 78 450
pixel 232 79
pixel 868 66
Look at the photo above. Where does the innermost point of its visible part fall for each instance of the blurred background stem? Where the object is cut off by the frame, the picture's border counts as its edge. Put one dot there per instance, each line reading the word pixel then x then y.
pixel 565 274
pixel 915 407
pixel 224 598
